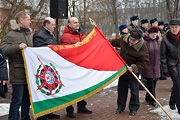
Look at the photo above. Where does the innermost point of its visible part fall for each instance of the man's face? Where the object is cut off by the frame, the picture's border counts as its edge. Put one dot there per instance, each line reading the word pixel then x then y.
pixel 132 42
pixel 175 29
pixel 155 24
pixel 145 25
pixel 51 26
pixel 74 24
pixel 161 27
pixel 135 22
pixel 125 30
pixel 25 22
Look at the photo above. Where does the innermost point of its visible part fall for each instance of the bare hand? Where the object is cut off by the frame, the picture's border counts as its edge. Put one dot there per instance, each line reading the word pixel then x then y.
pixel 22 46
pixel 4 81
pixel 129 69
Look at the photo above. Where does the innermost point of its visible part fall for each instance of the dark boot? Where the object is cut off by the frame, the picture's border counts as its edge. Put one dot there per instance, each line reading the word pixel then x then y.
pixel 84 110
pixel 52 116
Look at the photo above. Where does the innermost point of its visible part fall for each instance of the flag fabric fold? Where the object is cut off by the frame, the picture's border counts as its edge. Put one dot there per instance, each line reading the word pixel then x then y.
pixel 61 75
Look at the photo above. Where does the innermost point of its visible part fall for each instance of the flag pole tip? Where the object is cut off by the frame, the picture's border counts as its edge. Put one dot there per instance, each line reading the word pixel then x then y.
pixel 92 22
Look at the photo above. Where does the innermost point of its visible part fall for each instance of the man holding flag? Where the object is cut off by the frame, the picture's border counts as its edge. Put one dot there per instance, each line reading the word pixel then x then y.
pixel 73 34
pixel 46 37
pixel 134 52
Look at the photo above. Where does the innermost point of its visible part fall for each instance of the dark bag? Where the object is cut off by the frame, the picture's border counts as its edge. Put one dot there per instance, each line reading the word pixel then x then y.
pixel 3 90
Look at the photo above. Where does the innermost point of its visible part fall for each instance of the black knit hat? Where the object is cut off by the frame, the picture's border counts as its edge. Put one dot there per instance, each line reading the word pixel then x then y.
pixel 144 20
pixel 160 23
pixel 153 20
pixel 135 34
pixel 174 22
pixel 134 17
pixel 3 90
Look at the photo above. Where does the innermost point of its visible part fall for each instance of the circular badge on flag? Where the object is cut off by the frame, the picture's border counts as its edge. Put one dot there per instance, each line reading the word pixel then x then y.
pixel 48 79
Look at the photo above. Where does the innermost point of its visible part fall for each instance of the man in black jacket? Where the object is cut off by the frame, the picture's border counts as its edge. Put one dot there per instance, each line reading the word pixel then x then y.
pixel 46 37
pixel 170 61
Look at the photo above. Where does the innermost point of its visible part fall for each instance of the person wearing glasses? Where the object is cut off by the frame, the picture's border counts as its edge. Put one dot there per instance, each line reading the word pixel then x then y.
pixel 135 53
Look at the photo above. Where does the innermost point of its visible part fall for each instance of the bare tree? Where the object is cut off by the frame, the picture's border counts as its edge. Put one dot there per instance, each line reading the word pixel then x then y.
pixel 34 7
pixel 172 8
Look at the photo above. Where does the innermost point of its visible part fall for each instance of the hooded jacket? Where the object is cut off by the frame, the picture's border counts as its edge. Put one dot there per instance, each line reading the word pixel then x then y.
pixel 136 56
pixel 152 70
pixel 72 37
pixel 10 45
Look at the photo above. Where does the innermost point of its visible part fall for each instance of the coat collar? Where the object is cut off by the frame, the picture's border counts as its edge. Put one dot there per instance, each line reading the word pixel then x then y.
pixel 16 27
pixel 138 46
pixel 170 37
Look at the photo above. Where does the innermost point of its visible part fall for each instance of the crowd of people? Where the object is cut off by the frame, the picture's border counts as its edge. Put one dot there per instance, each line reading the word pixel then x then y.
pixel 152 52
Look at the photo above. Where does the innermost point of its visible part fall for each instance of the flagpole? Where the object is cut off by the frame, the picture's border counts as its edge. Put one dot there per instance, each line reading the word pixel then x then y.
pixel 151 95
pixel 92 22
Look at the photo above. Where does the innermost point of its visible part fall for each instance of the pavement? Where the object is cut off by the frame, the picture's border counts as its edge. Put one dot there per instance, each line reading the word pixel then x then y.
pixel 103 104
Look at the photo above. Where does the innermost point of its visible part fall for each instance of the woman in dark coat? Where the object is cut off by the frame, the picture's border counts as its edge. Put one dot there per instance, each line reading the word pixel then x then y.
pixel 152 71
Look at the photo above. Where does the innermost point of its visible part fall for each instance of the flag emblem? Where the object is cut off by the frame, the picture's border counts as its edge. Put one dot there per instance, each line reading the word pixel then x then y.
pixel 48 79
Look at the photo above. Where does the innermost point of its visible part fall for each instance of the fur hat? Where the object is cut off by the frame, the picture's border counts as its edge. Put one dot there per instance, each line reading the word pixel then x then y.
pixel 135 34
pixel 174 22
pixel 122 27
pixel 153 20
pixel 144 20
pixel 166 24
pixel 160 23
pixel 134 17
pixel 153 30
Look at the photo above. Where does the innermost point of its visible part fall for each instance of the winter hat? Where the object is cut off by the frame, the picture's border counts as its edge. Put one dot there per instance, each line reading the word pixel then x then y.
pixel 160 23
pixel 122 27
pixel 3 90
pixel 153 20
pixel 174 22
pixel 166 24
pixel 134 17
pixel 153 30
pixel 135 34
pixel 144 20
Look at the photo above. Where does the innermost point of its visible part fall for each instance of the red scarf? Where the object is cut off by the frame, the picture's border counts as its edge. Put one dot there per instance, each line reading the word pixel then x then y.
pixel 177 36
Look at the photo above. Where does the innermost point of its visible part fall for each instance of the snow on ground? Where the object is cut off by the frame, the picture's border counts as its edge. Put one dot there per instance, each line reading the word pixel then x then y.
pixel 172 113
pixel 4 109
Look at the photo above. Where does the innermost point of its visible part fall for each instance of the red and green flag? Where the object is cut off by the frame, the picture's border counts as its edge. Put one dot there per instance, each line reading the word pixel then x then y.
pixel 62 75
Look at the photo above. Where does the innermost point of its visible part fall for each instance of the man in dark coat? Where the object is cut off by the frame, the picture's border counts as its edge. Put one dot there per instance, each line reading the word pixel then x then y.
pixel 161 26
pixel 134 22
pixel 44 37
pixel 144 25
pixel 17 39
pixel 73 34
pixel 134 52
pixel 170 61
